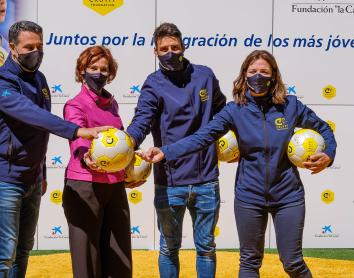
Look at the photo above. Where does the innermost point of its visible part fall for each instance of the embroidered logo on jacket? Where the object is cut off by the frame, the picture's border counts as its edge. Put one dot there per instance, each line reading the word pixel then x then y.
pixel 280 123
pixel 203 95
pixel 5 93
pixel 45 93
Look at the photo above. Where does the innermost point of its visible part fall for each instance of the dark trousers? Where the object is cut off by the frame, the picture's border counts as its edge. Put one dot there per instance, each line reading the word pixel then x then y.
pixel 251 221
pixel 99 229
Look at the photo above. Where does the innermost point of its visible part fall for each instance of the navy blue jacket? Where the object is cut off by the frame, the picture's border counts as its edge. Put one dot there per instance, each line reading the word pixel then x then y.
pixel 25 121
pixel 172 106
pixel 265 176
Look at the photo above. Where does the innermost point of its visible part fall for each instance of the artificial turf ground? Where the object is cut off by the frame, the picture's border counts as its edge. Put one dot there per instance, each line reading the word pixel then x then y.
pixel 337 254
pixel 334 263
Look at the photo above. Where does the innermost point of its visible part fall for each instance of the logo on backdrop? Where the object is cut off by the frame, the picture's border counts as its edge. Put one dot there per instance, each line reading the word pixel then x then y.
pixel 56 233
pixel 58 93
pixel 329 92
pixel 332 125
pixel 327 229
pixel 103 7
pixel 134 91
pixel 292 91
pixel 327 196
pixel 322 7
pixel 55 162
pixel 327 232
pixel 57 89
pixel 136 232
pixel 335 167
pixel 135 196
pixel 56 197
pixel 217 231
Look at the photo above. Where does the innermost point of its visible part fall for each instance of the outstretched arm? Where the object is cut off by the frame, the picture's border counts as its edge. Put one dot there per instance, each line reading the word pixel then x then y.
pixel 21 108
pixel 146 112
pixel 152 155
pixel 201 139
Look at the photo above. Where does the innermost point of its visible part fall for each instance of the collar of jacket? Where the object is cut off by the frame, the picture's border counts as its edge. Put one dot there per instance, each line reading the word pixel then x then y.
pixel 14 68
pixel 181 75
pixel 263 103
pixel 105 100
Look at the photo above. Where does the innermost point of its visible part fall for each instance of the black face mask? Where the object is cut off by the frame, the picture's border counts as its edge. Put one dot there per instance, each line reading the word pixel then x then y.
pixel 30 61
pixel 171 61
pixel 259 83
pixel 96 81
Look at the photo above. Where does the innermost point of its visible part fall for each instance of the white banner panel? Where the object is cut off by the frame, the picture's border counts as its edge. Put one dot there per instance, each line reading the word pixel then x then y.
pixel 219 34
pixel 142 214
pixel 313 42
pixel 330 194
pixel 126 31
pixel 52 225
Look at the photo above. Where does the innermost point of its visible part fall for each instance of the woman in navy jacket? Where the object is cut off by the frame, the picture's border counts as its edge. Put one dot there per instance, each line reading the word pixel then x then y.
pixel 263 118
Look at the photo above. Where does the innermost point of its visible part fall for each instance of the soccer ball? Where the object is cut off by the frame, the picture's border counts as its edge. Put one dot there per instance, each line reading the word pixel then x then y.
pixel 137 170
pixel 227 147
pixel 303 144
pixel 3 56
pixel 112 150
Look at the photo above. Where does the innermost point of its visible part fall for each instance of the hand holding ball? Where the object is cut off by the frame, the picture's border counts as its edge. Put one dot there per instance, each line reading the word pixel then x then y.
pixel 112 151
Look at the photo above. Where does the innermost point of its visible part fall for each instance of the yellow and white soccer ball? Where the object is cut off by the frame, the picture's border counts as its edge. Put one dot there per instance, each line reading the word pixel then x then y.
pixel 137 170
pixel 227 147
pixel 303 144
pixel 3 56
pixel 112 150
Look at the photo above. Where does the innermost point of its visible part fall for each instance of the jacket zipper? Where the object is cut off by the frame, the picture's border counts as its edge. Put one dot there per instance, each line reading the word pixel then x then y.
pixel 266 156
pixel 10 152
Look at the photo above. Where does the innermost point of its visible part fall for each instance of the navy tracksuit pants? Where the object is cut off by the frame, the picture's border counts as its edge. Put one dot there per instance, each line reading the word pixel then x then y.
pixel 251 221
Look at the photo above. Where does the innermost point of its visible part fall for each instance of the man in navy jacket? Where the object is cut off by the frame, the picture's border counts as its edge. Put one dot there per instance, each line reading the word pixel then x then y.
pixel 176 101
pixel 25 124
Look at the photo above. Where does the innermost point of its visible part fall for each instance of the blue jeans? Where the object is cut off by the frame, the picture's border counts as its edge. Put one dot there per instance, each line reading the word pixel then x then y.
pixel 203 203
pixel 19 208
pixel 251 221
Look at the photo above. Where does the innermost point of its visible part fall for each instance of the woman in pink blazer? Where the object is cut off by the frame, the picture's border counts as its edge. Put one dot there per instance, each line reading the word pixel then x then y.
pixel 95 202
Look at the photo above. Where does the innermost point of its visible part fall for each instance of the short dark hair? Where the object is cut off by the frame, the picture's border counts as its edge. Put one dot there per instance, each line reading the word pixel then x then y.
pixel 22 26
pixel 167 30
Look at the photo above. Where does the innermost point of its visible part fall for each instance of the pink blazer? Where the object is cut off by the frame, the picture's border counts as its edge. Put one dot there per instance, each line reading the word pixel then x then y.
pixel 87 109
